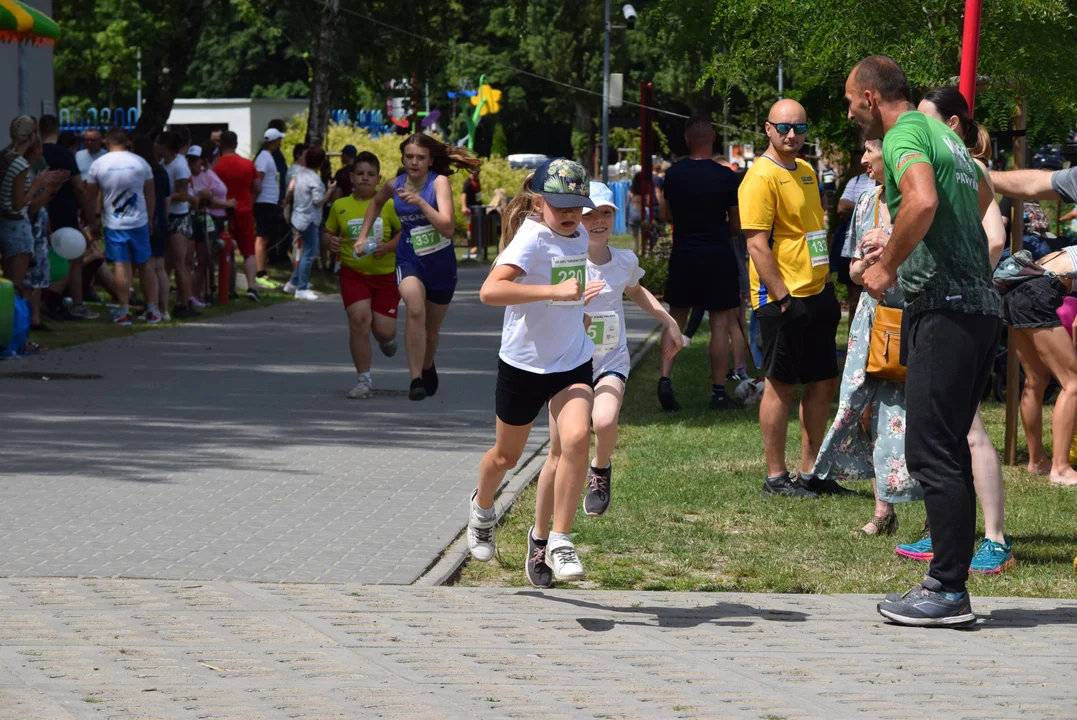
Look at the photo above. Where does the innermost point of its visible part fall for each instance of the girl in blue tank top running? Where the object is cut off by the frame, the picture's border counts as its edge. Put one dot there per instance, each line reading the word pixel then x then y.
pixel 425 256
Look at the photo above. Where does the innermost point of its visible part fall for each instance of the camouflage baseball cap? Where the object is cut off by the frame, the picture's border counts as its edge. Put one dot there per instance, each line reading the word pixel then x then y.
pixel 563 184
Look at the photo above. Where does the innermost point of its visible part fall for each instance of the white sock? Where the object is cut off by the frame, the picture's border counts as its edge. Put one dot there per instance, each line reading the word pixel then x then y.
pixel 123 310
pixel 484 513
pixel 594 464
pixel 366 376
pixel 556 538
pixel 151 308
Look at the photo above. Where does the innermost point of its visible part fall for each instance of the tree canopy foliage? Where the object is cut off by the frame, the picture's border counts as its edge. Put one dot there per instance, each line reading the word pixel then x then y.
pixel 715 56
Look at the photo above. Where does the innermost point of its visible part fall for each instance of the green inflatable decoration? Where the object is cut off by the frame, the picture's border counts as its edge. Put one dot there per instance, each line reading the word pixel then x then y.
pixel 58 267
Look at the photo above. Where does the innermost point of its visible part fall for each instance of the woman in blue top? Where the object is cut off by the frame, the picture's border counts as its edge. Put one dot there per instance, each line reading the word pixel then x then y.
pixel 425 257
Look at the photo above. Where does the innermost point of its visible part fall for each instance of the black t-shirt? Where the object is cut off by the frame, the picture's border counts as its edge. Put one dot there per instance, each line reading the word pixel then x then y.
pixel 699 194
pixel 282 171
pixel 472 192
pixel 64 206
pixel 344 181
pixel 162 190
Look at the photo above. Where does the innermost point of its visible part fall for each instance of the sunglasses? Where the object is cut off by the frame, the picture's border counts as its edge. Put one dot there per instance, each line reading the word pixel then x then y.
pixel 784 128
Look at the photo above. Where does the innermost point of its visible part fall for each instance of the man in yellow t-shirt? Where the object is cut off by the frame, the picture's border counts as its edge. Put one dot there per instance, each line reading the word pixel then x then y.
pixel 782 218
pixel 367 274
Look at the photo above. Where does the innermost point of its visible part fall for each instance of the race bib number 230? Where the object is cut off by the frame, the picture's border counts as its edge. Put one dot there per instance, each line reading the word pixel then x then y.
pixel 567 268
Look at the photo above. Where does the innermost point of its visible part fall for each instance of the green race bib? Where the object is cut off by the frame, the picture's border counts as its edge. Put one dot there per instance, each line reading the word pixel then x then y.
pixel 426 240
pixel 565 268
pixel 817 249
pixel 605 331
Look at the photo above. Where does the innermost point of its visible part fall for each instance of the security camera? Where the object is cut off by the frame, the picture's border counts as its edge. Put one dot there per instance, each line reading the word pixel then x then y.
pixel 630 16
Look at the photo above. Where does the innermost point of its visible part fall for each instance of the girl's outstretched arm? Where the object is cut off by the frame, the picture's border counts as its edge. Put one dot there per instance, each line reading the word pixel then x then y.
pixel 673 338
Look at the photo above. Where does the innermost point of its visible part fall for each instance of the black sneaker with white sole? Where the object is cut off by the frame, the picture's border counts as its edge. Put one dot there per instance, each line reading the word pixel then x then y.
pixel 926 606
pixel 539 574
pixel 597 500
pixel 827 486
pixel 787 485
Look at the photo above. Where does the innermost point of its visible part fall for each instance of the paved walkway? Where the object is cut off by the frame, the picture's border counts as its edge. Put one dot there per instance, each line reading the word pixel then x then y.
pixel 166 649
pixel 227 450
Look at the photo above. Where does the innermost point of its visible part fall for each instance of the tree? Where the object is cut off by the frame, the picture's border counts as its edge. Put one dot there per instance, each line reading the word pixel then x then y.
pixel 318 117
pixel 499 146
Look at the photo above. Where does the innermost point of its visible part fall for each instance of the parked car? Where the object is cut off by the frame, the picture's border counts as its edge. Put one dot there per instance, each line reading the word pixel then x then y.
pixel 526 160
pixel 1048 157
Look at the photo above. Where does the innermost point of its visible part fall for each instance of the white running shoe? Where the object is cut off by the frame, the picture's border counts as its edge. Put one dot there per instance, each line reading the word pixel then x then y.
pixel 480 533
pixel 388 348
pixel 306 295
pixel 361 391
pixel 288 288
pixel 562 558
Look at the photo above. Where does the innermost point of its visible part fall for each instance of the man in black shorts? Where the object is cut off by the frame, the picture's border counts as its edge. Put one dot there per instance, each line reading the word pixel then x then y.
pixel 700 199
pixel 794 302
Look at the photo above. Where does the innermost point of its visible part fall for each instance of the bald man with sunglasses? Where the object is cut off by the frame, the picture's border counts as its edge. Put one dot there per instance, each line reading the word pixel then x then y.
pixel 782 218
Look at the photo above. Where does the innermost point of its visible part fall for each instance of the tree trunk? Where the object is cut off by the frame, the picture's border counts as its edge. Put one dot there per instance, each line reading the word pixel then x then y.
pixel 172 64
pixel 320 100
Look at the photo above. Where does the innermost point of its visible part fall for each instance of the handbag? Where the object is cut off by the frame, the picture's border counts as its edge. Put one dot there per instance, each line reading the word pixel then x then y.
pixel 884 346
pixel 1018 268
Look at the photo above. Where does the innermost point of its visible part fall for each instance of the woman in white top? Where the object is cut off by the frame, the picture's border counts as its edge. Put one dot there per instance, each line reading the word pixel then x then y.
pixel 619 272
pixel 539 278
pixel 308 196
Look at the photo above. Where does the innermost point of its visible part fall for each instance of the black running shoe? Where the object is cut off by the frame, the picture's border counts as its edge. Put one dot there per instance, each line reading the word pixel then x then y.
pixel 925 606
pixel 180 312
pixel 430 381
pixel 252 294
pixel 539 574
pixel 724 402
pixel 417 391
pixel 829 486
pixel 787 485
pixel 597 500
pixel 665 395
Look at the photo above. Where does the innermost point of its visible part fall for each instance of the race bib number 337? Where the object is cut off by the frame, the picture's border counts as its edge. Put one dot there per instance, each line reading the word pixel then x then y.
pixel 426 240
pixel 567 268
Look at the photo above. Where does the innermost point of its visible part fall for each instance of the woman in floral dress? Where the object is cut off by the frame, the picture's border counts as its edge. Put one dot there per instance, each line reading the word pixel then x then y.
pixel 857 448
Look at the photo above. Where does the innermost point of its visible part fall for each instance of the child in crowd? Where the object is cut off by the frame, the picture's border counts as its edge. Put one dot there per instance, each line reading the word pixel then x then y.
pixel 619 273
pixel 545 355
pixel 367 272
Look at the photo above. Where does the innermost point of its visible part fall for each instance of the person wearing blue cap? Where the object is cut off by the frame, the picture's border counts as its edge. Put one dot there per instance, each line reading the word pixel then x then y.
pixel 540 278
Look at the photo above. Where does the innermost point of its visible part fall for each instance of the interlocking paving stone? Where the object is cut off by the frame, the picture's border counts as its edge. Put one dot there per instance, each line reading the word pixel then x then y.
pixel 182 649
pixel 226 449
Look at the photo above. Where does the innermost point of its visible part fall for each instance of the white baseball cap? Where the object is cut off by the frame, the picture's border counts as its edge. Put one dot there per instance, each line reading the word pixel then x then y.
pixel 601 196
pixel 194 151
pixel 273 134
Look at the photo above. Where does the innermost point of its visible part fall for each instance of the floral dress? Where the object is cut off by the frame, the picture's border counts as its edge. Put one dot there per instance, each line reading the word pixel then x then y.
pixel 849 452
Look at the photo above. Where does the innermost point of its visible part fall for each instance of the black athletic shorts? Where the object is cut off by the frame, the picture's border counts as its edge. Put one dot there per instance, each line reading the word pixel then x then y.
pixel 269 220
pixel 798 344
pixel 521 395
pixel 1033 303
pixel 704 279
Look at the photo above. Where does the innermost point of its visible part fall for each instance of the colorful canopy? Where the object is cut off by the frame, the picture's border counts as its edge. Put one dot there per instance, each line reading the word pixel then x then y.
pixel 22 23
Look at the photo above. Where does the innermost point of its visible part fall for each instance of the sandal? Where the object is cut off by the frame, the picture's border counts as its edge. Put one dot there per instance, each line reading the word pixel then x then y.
pixel 879 526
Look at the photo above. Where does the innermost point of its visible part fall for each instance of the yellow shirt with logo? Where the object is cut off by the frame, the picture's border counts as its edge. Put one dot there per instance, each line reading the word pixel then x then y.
pixel 786 203
pixel 346 220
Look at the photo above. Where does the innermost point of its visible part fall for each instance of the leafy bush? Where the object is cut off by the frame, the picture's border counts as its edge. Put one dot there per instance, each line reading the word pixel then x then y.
pixel 655 265
pixel 496 172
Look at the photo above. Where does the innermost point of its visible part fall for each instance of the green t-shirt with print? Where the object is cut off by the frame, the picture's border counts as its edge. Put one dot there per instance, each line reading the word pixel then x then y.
pixel 345 220
pixel 949 269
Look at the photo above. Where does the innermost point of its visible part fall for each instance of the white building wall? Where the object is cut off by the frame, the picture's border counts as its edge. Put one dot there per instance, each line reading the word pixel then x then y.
pixel 26 78
pixel 246 118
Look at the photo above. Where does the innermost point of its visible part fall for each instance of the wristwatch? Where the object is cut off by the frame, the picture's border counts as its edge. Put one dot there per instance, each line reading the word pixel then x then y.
pixel 785 300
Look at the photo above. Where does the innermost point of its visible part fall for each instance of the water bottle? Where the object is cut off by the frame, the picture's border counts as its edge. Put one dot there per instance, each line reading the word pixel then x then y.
pixel 369 247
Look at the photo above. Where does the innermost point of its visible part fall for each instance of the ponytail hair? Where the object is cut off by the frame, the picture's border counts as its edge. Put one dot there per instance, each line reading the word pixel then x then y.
pixel 518 210
pixel 951 103
pixel 444 159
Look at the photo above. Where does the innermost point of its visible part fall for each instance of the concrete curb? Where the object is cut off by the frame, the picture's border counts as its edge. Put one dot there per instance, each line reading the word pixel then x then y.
pixel 447 567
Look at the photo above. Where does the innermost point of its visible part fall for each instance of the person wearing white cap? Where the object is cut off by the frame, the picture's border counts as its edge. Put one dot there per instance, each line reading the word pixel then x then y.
pixel 617 273
pixel 268 218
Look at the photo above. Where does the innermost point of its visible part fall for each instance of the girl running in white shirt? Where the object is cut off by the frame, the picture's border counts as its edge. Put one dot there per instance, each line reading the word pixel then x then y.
pixel 545 353
pixel 619 273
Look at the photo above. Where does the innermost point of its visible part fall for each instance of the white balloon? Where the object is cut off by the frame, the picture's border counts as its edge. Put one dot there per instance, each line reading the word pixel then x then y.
pixel 68 243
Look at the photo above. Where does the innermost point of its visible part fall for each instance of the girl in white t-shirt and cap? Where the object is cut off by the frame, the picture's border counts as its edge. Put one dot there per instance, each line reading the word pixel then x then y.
pixel 540 279
pixel 619 273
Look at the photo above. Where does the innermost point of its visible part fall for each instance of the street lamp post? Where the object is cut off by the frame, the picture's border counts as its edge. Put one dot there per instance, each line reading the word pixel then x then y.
pixel 630 18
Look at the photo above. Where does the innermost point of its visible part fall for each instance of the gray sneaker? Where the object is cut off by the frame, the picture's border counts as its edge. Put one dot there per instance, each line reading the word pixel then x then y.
pixel 388 348
pixel 82 312
pixel 597 500
pixel 539 574
pixel 925 606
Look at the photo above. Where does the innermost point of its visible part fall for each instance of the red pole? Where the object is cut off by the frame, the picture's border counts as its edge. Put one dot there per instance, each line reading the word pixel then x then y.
pixel 970 52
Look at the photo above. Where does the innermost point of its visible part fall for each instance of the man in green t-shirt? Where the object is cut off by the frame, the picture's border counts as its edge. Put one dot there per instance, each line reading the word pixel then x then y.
pixel 938 254
pixel 367 274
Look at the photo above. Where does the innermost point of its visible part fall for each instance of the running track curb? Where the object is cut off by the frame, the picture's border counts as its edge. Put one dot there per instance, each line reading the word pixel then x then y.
pixel 444 569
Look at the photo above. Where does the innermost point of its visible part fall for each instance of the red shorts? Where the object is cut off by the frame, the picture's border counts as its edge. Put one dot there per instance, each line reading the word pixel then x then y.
pixel 381 290
pixel 243 231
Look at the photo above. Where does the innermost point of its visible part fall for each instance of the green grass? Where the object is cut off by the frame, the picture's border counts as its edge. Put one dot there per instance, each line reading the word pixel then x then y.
pixel 66 334
pixel 688 513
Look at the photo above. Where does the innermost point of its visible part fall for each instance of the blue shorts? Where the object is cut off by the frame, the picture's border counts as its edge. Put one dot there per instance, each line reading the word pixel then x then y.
pixel 439 290
pixel 128 246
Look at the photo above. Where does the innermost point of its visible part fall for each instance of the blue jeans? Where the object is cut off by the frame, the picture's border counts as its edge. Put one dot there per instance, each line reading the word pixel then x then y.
pixel 301 275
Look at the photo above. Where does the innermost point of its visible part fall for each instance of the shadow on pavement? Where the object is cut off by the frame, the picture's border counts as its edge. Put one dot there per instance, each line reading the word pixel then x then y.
pixel 1022 618
pixel 723 614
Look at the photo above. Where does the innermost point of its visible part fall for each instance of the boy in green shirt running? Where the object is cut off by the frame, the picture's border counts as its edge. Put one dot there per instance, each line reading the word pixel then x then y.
pixel 367 274
pixel 938 254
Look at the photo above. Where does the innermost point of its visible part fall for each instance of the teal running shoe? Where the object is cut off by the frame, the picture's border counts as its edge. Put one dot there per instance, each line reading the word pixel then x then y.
pixel 920 550
pixel 992 558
